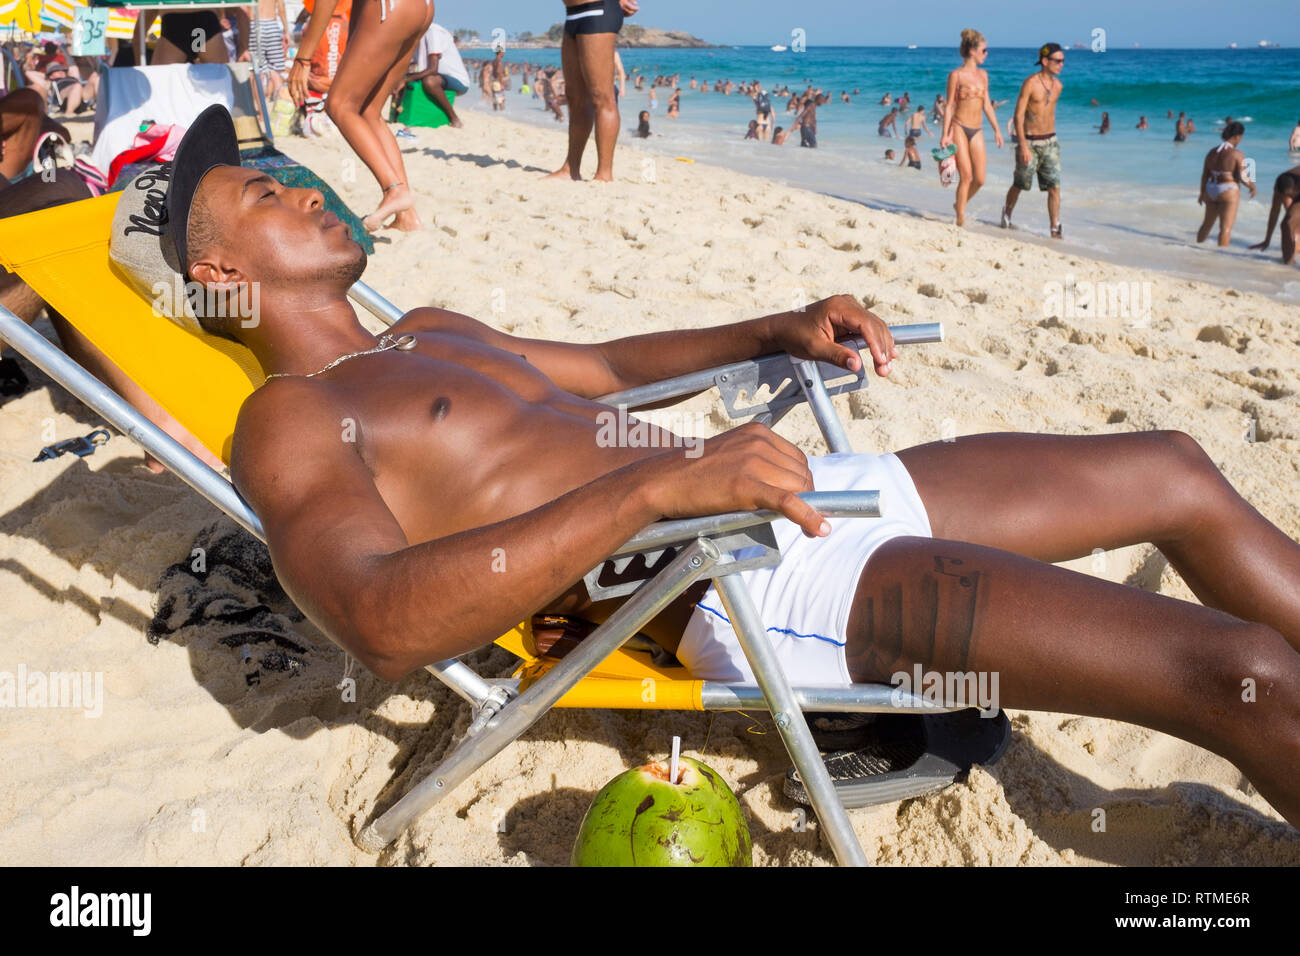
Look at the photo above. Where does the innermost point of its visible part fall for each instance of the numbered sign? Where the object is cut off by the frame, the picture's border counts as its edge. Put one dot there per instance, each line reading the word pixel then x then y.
pixel 88 31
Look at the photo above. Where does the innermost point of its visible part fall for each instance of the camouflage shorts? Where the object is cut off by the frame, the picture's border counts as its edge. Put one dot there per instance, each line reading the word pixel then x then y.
pixel 1045 159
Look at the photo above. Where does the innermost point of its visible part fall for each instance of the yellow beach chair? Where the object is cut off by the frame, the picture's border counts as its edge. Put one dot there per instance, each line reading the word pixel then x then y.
pixel 62 253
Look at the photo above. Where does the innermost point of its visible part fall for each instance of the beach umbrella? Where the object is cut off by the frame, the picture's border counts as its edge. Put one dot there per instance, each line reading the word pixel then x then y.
pixel 61 12
pixel 121 23
pixel 23 14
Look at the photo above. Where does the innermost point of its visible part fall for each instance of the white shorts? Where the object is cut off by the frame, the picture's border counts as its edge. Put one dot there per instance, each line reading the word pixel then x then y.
pixel 804 601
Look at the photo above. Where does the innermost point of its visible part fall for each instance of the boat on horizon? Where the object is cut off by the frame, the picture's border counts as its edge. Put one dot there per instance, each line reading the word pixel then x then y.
pixel 911 46
pixel 779 48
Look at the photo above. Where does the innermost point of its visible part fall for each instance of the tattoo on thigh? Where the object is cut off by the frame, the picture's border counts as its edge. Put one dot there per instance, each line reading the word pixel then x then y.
pixel 930 619
pixel 954 633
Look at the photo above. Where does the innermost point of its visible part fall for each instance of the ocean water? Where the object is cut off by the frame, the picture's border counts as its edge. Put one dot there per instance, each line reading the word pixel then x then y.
pixel 1128 196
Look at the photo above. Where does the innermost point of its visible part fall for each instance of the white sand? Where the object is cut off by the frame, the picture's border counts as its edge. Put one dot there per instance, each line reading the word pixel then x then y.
pixel 190 763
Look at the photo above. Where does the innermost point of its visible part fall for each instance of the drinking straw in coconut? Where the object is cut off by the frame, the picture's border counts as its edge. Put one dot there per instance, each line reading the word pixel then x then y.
pixel 672 763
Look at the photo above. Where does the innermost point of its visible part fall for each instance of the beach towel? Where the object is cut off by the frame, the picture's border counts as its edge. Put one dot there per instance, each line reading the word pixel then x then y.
pixel 176 93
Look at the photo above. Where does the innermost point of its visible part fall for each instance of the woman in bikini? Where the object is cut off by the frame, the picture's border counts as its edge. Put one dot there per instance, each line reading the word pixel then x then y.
pixel 1221 172
pixel 383 36
pixel 963 118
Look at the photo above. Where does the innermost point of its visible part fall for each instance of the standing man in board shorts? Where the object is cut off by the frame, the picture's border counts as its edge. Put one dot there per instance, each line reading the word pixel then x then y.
pixel 1037 149
pixel 587 54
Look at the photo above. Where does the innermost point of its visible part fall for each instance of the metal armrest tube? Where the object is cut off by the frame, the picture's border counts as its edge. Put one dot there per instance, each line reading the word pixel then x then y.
pixel 688 384
pixel 374 303
pixel 833 504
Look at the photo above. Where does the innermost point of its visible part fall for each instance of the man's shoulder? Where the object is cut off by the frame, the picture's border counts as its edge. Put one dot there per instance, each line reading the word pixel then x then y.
pixel 281 412
pixel 427 318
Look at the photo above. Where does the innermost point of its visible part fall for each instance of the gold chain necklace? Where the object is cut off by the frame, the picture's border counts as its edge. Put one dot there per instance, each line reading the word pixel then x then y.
pixel 388 341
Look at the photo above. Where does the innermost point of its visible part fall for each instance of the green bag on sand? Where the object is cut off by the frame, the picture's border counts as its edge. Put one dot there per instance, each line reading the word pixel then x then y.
pixel 416 109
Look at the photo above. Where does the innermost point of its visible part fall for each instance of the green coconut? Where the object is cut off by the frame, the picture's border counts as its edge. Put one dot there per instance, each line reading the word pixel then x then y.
pixel 640 818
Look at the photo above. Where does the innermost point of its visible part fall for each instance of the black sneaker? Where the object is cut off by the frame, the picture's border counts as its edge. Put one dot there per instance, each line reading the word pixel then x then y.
pixel 908 755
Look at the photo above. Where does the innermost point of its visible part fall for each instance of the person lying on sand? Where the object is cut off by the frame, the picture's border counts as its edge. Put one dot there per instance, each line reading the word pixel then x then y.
pixel 472 451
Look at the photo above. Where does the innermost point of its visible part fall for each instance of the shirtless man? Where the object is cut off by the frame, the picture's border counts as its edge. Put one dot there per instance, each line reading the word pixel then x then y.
pixel 1037 149
pixel 916 123
pixel 1286 190
pixel 807 121
pixel 1224 168
pixel 888 124
pixel 468 444
pixel 587 54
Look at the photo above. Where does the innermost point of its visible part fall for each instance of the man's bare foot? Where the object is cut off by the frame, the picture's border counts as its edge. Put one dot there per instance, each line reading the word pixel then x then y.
pixel 603 178
pixel 456 123
pixel 395 200
pixel 564 173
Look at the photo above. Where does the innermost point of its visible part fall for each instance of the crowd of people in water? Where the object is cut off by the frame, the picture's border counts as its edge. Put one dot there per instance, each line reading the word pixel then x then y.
pixel 958 116
pixel 592 80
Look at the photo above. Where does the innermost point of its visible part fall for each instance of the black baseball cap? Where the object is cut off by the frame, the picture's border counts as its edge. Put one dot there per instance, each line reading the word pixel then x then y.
pixel 209 142
pixel 1047 49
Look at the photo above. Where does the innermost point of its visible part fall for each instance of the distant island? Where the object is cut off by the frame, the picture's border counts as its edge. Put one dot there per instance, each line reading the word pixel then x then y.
pixel 632 35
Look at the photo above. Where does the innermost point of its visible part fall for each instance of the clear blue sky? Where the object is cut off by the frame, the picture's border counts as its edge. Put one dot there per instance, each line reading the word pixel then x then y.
pixel 1020 23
